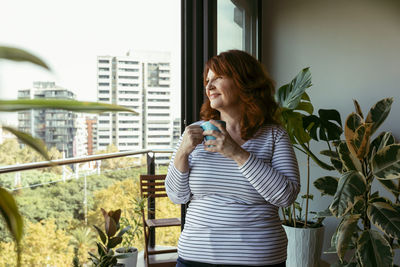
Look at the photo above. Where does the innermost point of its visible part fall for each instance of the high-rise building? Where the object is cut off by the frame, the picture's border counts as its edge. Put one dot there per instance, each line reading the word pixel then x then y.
pixel 140 81
pixel 55 127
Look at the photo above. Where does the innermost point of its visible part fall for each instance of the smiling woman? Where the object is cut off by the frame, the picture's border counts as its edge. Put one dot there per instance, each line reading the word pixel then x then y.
pixel 235 183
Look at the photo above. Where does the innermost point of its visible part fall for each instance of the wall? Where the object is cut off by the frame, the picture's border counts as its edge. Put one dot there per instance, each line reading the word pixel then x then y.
pixel 353 49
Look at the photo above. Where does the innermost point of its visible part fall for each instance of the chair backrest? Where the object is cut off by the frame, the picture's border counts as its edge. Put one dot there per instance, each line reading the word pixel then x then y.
pixel 152 186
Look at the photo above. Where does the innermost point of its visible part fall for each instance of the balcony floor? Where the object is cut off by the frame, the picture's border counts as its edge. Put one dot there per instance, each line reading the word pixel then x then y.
pixel 160 260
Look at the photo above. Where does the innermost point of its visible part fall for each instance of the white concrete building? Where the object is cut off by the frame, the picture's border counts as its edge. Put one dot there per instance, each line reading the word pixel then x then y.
pixel 140 81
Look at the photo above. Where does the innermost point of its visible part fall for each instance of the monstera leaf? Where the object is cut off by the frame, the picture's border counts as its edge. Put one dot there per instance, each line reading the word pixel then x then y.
pixel 379 112
pixel 290 95
pixel 351 187
pixel 374 250
pixel 385 217
pixel 328 130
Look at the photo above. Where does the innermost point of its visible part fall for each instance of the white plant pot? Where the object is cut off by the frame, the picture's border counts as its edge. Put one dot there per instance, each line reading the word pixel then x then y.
pixel 304 246
pixel 131 259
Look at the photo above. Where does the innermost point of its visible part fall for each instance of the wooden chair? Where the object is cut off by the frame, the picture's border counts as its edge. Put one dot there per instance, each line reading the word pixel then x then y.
pixel 152 187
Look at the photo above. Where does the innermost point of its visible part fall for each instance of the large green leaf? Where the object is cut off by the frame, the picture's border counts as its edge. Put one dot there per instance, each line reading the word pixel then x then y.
pixel 345 232
pixel 289 95
pixel 293 123
pixel 35 143
pixel 351 188
pixel 379 112
pixel 385 217
pixel 386 162
pixel 9 211
pixel 350 161
pixel 16 54
pixel 327 129
pixel 374 250
pixel 71 105
pixel 327 185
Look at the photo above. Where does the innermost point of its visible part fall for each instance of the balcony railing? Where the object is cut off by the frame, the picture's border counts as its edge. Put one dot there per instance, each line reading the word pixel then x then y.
pixel 150 163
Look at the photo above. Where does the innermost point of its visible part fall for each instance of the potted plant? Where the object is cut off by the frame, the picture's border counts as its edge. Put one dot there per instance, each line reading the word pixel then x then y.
pixel 8 206
pixel 369 229
pixel 128 250
pixel 109 240
pixel 305 237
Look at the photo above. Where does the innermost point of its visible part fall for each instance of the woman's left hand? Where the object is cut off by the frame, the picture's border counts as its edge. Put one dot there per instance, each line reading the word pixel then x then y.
pixel 224 144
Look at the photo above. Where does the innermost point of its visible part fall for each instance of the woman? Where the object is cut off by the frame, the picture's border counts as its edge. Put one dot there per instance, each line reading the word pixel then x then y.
pixel 237 182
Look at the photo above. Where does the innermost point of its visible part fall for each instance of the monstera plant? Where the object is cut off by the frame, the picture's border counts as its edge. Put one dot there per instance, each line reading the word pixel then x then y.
pixel 305 236
pixel 296 116
pixel 369 229
pixel 8 206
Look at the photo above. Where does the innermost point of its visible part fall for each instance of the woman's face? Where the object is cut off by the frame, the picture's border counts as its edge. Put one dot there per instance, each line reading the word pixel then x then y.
pixel 221 92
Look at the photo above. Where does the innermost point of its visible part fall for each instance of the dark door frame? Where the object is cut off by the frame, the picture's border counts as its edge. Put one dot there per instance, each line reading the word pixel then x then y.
pixel 198 44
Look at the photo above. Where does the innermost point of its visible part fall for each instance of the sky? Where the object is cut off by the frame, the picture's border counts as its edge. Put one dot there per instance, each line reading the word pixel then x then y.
pixel 69 35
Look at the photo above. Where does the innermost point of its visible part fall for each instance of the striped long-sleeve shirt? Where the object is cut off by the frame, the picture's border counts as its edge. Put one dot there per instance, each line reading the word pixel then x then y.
pixel 233 216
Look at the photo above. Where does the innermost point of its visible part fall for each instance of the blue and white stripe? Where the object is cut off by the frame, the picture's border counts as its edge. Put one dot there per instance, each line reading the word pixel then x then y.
pixel 233 212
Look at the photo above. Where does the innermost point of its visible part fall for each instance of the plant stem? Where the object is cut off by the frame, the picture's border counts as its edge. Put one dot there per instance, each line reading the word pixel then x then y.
pixel 284 216
pixel 294 215
pixel 308 186
pixel 329 146
pixel 298 148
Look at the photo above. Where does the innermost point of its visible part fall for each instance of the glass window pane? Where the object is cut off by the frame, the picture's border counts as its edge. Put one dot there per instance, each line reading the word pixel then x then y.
pixel 237 25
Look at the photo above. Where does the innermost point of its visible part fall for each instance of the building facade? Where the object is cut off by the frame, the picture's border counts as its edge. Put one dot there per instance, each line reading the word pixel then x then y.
pixel 55 127
pixel 140 81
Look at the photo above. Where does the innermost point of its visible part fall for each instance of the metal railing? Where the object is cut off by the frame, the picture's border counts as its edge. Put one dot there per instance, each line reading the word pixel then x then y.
pixel 150 162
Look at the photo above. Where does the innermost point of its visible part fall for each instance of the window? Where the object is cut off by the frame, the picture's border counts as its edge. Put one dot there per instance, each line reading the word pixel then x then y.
pixel 237 25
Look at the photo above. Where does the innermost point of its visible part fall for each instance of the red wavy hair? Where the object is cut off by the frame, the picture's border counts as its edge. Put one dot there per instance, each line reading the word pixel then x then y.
pixel 255 89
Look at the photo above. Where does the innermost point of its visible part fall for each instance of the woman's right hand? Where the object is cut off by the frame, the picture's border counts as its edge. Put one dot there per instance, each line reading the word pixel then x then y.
pixel 192 136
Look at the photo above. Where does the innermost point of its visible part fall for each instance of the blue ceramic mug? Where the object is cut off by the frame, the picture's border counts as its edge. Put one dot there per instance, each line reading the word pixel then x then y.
pixel 209 126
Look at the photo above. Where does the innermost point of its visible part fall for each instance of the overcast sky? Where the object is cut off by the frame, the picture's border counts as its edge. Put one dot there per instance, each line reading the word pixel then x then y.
pixel 69 35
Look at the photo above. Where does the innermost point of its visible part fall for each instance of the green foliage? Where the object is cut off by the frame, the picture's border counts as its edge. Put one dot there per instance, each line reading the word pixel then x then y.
pixel 43 245
pixel 295 104
pixel 16 54
pixel 365 161
pixel 109 239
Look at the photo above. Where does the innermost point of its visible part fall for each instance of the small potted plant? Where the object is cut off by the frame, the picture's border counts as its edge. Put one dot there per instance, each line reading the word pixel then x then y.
pixel 109 240
pixel 128 250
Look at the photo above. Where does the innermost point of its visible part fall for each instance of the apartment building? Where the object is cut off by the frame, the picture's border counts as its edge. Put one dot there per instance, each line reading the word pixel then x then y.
pixel 140 81
pixel 55 127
